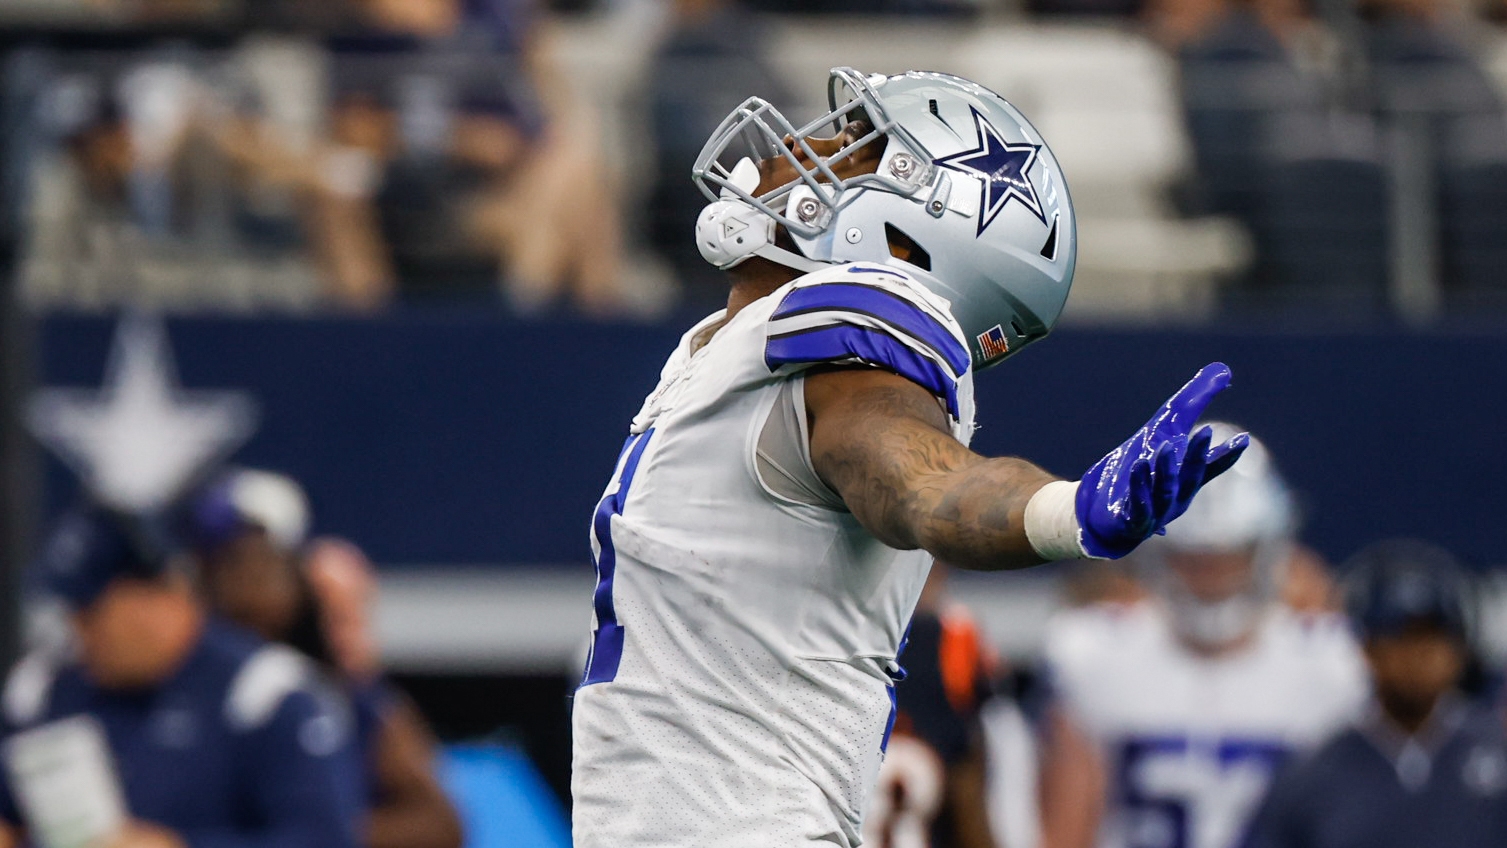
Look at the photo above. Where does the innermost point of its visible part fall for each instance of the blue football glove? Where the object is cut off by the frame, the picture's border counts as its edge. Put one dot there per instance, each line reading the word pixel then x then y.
pixel 1151 479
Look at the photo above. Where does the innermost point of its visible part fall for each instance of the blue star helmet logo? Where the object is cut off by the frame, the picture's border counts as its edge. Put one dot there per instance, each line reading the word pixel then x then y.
pixel 1003 171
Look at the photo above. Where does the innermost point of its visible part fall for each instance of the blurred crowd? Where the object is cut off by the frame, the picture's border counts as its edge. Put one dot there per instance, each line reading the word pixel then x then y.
pixel 347 154
pixel 366 153
pixel 1360 144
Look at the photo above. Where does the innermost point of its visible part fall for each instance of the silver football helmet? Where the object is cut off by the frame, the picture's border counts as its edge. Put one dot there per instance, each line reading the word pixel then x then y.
pixel 964 180
pixel 1245 513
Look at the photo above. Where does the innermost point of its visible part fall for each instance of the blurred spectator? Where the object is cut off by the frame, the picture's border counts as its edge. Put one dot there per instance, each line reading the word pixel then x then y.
pixel 1242 29
pixel 293 17
pixel 299 190
pixel 486 168
pixel 934 8
pixel 931 791
pixel 1448 138
pixel 203 734
pixel 713 56
pixel 133 201
pixel 1170 717
pixel 250 530
pixel 1271 150
pixel 451 161
pixel 134 12
pixel 1423 767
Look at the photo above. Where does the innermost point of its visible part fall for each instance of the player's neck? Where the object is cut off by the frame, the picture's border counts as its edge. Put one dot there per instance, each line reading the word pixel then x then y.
pixel 755 278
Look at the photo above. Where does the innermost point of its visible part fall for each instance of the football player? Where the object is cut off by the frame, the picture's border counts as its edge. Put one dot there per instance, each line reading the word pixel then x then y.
pixel 258 570
pixel 1171 717
pixel 931 790
pixel 775 508
pixel 205 736
pixel 1425 765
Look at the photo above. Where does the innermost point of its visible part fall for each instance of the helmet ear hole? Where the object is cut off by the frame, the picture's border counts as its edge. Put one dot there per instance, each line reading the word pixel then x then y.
pixel 905 248
pixel 1049 249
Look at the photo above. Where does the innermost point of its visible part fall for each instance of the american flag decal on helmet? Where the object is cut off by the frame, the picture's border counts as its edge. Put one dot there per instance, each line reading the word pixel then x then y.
pixel 993 342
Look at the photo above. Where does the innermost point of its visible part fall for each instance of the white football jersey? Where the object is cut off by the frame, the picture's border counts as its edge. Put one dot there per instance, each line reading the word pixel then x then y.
pixel 746 626
pixel 1192 742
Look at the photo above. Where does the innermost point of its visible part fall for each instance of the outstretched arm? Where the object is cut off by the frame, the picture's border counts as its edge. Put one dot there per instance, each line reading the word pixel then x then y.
pixel 882 443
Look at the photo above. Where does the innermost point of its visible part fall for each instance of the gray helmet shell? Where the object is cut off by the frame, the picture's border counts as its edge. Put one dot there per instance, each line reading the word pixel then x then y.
pixel 963 175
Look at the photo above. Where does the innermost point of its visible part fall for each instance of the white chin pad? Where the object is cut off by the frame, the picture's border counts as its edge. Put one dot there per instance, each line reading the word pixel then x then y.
pixel 745 175
pixel 730 231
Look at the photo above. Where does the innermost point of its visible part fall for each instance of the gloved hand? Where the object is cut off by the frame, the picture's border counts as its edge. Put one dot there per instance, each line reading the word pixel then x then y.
pixel 1151 479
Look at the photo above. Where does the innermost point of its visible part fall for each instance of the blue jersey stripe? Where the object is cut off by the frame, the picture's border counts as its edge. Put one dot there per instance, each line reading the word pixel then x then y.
pixel 844 342
pixel 607 641
pixel 889 723
pixel 884 305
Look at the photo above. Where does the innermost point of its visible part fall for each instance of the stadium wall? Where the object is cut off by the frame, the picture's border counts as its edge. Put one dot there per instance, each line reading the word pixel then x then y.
pixel 470 448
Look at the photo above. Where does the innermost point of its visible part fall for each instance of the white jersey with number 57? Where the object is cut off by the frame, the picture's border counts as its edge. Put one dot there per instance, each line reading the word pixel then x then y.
pixel 1191 742
pixel 745 625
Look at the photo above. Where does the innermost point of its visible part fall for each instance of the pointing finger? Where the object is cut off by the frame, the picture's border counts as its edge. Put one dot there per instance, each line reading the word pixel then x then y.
pixel 1224 456
pixel 1188 404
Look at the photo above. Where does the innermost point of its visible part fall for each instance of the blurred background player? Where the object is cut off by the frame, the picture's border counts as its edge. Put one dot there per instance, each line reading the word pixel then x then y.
pixel 1170 717
pixel 249 528
pixel 1424 765
pixel 932 791
pixel 216 738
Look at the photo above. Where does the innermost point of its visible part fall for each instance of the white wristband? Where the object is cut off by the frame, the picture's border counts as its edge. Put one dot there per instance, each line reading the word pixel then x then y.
pixel 1052 522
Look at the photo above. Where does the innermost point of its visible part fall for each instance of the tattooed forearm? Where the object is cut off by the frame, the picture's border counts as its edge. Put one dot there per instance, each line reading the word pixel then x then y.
pixel 882 443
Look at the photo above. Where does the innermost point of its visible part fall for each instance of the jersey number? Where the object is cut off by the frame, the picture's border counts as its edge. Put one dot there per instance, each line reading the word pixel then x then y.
pixel 607 639
pixel 1162 818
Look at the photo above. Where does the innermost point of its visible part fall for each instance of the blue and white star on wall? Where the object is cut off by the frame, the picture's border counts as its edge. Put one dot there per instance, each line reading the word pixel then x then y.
pixel 1003 171
pixel 140 440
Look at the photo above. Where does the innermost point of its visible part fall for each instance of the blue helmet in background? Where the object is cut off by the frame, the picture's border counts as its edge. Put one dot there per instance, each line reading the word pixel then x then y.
pixel 248 497
pixel 90 546
pixel 964 181
pixel 1400 583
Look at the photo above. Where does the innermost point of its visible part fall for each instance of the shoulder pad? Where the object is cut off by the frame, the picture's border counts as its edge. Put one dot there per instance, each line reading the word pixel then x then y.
pixel 261 684
pixel 869 315
pixel 29 688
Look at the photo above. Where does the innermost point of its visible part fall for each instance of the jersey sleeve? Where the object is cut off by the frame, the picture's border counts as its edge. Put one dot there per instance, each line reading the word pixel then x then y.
pixel 869 316
pixel 302 778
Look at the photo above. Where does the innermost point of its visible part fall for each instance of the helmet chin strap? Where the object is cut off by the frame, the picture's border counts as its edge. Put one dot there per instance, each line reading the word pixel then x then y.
pixel 730 230
pixel 790 259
